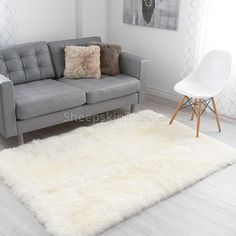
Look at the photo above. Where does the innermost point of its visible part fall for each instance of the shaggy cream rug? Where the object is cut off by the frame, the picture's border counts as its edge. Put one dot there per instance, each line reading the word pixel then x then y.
pixel 85 181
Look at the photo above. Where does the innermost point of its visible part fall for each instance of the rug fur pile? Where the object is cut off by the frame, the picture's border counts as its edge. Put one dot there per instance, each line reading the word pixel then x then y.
pixel 92 178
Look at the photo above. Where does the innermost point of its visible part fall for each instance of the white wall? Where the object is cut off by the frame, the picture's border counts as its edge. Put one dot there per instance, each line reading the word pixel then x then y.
pixel 164 49
pixel 95 18
pixel 45 19
pixel 57 19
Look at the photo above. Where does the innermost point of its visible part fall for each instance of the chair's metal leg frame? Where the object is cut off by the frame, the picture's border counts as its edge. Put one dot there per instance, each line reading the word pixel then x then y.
pixel 195 103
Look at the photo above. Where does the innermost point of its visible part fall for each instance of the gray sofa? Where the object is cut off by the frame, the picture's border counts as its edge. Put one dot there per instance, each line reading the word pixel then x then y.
pixel 34 94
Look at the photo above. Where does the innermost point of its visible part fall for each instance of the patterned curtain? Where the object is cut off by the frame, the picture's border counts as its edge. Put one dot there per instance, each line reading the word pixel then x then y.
pixel 7 23
pixel 197 10
pixel 211 26
pixel 219 34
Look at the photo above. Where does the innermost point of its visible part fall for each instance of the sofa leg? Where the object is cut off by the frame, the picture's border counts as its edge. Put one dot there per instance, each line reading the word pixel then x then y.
pixel 132 110
pixel 20 139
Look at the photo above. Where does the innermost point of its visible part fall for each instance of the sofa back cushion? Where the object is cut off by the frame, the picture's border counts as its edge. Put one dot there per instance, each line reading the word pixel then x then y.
pixel 24 63
pixel 57 50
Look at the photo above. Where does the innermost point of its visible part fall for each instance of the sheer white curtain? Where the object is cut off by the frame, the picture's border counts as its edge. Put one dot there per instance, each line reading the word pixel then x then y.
pixel 194 39
pixel 7 23
pixel 220 33
pixel 213 27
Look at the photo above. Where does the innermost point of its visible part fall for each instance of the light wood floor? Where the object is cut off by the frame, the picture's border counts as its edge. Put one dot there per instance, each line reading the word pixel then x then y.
pixel 206 209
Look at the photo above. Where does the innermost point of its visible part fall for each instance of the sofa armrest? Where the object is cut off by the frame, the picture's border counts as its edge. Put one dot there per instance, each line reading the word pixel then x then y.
pixel 136 67
pixel 8 126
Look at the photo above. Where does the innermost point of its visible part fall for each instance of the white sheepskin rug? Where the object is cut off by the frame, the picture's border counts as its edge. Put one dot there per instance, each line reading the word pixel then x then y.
pixel 85 181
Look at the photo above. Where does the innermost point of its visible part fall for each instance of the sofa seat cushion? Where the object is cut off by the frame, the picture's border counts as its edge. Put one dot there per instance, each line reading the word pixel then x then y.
pixel 44 97
pixel 106 88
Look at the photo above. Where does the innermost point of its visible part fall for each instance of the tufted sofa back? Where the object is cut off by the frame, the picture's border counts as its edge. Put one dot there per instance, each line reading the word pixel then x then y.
pixel 26 62
pixel 57 49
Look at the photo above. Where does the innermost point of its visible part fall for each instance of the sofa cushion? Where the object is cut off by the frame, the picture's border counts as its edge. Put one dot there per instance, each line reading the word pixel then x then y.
pixel 24 63
pixel 44 97
pixel 106 88
pixel 57 50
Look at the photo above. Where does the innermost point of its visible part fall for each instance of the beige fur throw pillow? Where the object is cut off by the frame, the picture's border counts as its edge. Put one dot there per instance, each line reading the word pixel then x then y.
pixel 110 54
pixel 82 62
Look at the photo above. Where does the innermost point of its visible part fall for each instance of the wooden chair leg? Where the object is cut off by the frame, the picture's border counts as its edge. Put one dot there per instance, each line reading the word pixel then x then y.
pixel 194 107
pixel 199 117
pixel 216 114
pixel 177 109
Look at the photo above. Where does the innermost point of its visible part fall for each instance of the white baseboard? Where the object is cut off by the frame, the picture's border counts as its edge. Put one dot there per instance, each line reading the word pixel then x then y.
pixel 163 94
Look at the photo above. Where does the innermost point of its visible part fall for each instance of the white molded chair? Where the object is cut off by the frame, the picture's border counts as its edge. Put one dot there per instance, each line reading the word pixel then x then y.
pixel 200 87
